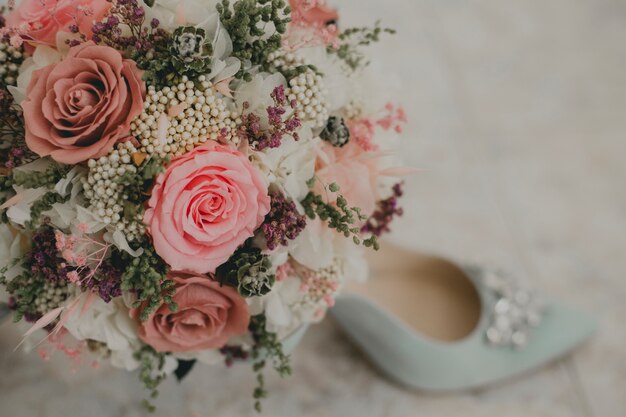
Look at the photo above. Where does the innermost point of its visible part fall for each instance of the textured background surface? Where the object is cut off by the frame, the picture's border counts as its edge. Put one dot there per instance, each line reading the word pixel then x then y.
pixel 518 119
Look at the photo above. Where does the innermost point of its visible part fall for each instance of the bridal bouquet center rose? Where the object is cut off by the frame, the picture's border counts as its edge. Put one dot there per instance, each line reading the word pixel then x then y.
pixel 187 184
pixel 205 205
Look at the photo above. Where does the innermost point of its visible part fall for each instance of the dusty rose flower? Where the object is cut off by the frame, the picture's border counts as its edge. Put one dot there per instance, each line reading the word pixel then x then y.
pixel 39 21
pixel 80 107
pixel 206 204
pixel 208 315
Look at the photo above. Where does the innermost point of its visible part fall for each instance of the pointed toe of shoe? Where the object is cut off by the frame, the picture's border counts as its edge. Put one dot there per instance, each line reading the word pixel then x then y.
pixel 563 328
pixel 429 365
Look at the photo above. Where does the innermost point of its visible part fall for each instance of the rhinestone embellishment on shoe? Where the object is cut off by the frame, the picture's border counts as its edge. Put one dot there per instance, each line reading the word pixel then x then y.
pixel 515 312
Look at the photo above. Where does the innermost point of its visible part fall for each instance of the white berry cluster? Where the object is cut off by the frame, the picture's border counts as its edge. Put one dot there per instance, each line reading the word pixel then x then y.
pixel 353 110
pixel 201 115
pixel 52 296
pixel 106 195
pixel 306 88
pixel 10 60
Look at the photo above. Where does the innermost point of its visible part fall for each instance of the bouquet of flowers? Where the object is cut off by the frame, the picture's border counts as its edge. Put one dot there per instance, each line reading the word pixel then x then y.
pixel 188 180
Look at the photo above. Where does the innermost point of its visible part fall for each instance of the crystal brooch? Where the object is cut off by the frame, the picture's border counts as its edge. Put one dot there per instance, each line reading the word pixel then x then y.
pixel 515 312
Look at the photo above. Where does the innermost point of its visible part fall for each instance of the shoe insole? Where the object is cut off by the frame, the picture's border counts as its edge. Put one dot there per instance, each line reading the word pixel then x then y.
pixel 430 294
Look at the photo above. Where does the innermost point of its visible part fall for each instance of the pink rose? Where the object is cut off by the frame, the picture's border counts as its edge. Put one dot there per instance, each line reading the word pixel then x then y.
pixel 208 315
pixel 39 21
pixel 79 108
pixel 354 170
pixel 206 204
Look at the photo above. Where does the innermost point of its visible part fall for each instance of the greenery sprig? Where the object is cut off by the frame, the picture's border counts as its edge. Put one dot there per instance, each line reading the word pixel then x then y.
pixel 40 265
pixel 42 205
pixel 34 179
pixel 127 30
pixel 6 191
pixel 145 276
pixel 353 39
pixel 11 118
pixel 137 185
pixel 151 364
pixel 246 24
pixel 25 290
pixel 339 216
pixel 267 347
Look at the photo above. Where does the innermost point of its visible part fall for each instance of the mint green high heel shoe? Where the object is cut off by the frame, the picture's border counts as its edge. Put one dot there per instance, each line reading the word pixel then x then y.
pixel 432 325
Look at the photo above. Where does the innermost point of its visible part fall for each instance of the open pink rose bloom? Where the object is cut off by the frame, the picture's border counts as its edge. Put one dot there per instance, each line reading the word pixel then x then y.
pixel 79 108
pixel 208 316
pixel 205 205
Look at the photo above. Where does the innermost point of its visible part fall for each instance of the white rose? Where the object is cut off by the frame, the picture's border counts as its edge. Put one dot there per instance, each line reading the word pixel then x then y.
pixel 353 257
pixel 257 94
pixel 174 13
pixel 315 245
pixel 277 306
pixel 42 57
pixel 109 323
pixel 20 205
pixel 291 165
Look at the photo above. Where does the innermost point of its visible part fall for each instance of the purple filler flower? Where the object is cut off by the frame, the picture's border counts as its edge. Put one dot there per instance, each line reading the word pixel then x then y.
pixel 386 211
pixel 283 222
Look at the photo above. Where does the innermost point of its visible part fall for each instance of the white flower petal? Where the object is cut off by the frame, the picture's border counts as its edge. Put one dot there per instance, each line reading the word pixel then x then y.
pixel 109 323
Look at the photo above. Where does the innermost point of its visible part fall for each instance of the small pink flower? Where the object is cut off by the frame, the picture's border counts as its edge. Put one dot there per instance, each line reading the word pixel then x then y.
pixel 362 131
pixel 83 227
pixel 16 41
pixel 208 315
pixel 284 271
pixel 73 277
pixel 39 21
pixel 68 255
pixel 205 205
pixel 80 260
pixel 395 119
pixel 79 108
pixel 60 239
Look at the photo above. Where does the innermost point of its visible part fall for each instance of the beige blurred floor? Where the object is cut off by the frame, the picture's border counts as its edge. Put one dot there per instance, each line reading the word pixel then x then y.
pixel 519 119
